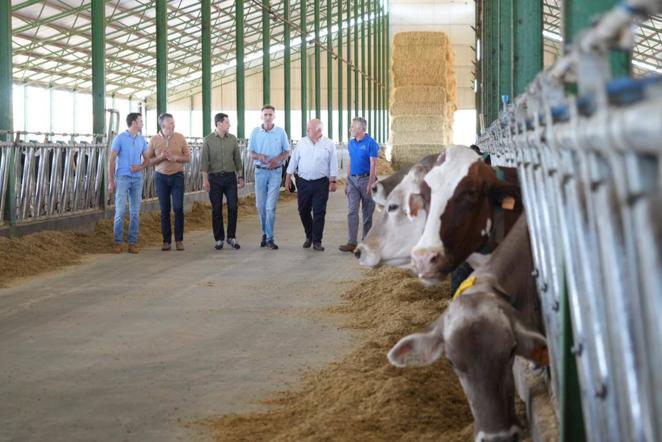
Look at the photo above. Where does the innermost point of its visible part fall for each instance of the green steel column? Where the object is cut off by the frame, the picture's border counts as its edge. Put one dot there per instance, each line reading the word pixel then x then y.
pixel 486 59
pixel 349 66
pixel 375 69
pixel 6 107
pixel 161 58
pixel 287 70
pixel 578 15
pixel 494 64
pixel 98 25
pixel 341 136
pixel 98 66
pixel 528 46
pixel 304 70
pixel 318 79
pixel 329 69
pixel 241 98
pixel 479 58
pixel 387 77
pixel 266 59
pixel 356 57
pixel 380 29
pixel 363 58
pixel 369 64
pixel 505 48
pixel 205 9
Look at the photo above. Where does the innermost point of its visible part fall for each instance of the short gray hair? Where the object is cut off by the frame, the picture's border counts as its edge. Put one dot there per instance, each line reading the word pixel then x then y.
pixel 362 122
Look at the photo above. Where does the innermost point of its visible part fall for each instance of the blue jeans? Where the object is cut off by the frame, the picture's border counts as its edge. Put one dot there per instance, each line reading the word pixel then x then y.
pixel 267 188
pixel 133 188
pixel 167 187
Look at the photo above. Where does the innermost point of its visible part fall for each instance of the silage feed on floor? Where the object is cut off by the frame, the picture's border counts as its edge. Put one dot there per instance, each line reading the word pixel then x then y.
pixel 362 397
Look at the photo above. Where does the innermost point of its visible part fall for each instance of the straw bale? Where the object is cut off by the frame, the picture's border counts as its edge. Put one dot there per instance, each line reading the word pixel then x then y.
pixel 419 136
pixel 417 122
pixel 419 39
pixel 437 55
pixel 418 94
pixel 419 75
pixel 434 108
pixel 406 154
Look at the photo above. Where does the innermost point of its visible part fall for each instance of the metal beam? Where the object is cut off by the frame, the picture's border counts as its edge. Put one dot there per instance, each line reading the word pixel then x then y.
pixel 266 59
pixel 356 57
pixel 349 66
pixel 387 77
pixel 6 110
pixel 371 110
pixel 505 48
pixel 98 67
pixel 527 43
pixel 341 135
pixel 318 79
pixel 287 70
pixel 239 32
pixel 205 29
pixel 363 79
pixel 304 68
pixel 329 69
pixel 161 58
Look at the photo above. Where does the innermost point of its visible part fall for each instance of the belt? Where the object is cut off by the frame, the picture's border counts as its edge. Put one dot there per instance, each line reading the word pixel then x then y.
pixel 222 172
pixel 361 175
pixel 266 168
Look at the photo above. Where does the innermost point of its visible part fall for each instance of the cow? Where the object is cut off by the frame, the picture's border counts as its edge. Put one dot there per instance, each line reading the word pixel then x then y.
pixel 472 207
pixel 482 330
pixel 394 233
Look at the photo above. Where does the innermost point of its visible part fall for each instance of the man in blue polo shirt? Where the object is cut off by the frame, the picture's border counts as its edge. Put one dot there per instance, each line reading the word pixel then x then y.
pixel 269 147
pixel 125 178
pixel 363 153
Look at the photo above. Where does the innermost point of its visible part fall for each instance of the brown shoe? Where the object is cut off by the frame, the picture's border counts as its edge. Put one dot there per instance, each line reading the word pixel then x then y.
pixel 349 247
pixel 166 246
pixel 179 245
pixel 133 249
pixel 118 248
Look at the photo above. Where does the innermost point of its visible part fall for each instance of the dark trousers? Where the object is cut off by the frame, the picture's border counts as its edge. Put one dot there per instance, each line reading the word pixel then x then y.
pixel 312 196
pixel 223 184
pixel 171 187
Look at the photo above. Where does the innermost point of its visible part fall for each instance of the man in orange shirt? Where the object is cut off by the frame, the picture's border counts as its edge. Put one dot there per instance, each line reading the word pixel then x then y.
pixel 167 152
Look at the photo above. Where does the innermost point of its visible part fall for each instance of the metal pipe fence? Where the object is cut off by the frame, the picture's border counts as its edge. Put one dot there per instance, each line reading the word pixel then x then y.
pixel 590 169
pixel 65 177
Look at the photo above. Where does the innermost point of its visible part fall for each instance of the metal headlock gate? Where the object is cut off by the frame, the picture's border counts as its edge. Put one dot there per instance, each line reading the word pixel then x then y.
pixel 68 177
pixel 590 169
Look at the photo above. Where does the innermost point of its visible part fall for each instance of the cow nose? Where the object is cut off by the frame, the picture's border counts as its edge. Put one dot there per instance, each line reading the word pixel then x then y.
pixel 357 252
pixel 425 262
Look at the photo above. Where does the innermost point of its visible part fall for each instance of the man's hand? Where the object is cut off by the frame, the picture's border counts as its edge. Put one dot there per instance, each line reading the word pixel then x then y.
pixel 288 181
pixel 370 184
pixel 111 186
pixel 347 187
pixel 273 164
pixel 171 157
pixel 136 168
pixel 205 185
pixel 332 186
pixel 242 183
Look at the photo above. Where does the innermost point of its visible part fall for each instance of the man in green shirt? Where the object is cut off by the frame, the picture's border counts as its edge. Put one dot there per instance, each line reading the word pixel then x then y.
pixel 221 169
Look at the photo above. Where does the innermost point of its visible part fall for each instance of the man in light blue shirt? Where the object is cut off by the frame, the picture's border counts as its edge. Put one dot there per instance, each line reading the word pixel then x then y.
pixel 125 178
pixel 316 160
pixel 269 147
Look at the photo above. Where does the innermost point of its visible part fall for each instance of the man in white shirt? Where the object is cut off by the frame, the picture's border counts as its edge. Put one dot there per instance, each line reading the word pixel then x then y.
pixel 316 163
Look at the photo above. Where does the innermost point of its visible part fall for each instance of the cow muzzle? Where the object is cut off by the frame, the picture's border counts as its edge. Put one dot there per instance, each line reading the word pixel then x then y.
pixel 514 434
pixel 427 262
pixel 366 256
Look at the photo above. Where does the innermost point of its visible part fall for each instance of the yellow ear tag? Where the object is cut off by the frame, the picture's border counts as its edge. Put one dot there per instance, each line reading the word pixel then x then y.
pixel 508 203
pixel 469 282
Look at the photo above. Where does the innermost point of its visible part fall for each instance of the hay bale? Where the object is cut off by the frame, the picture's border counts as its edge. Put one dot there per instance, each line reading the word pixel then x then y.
pixel 418 94
pixel 438 136
pixel 435 108
pixel 407 39
pixel 407 154
pixel 417 123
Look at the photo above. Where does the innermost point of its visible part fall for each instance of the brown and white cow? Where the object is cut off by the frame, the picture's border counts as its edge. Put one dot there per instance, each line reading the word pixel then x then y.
pixel 480 333
pixel 394 233
pixel 466 212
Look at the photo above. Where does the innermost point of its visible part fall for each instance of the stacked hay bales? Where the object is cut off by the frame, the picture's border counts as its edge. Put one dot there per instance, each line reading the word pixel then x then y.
pixel 423 97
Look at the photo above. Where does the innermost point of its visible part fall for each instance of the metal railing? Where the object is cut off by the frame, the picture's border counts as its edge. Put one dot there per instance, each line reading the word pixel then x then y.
pixel 57 178
pixel 590 169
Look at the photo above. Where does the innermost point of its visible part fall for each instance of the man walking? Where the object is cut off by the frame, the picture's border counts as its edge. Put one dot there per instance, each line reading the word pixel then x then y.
pixel 316 161
pixel 168 151
pixel 269 147
pixel 363 153
pixel 221 168
pixel 125 178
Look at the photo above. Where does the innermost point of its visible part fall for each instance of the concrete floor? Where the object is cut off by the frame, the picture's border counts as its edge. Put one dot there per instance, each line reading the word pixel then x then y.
pixel 128 347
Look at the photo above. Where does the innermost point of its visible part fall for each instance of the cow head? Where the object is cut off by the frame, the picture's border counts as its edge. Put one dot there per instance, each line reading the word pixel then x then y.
pixel 464 194
pixel 397 229
pixel 480 336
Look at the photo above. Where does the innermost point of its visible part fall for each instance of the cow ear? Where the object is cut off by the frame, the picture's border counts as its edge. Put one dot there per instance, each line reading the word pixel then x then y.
pixel 530 345
pixel 415 204
pixel 505 195
pixel 417 350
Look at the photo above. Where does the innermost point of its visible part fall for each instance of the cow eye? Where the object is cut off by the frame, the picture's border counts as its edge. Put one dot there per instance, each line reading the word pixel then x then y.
pixel 393 207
